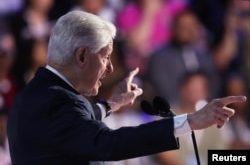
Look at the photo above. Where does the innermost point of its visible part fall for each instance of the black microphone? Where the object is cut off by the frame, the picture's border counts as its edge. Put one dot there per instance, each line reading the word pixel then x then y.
pixel 148 108
pixel 161 107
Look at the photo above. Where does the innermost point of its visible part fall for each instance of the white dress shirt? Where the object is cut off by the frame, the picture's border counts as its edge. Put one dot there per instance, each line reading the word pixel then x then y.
pixel 181 125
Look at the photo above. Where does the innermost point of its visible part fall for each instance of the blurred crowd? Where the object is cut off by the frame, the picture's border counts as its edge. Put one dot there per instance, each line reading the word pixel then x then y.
pixel 188 52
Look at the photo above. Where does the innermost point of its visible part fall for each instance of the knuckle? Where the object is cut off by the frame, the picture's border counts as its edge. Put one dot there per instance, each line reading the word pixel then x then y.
pixel 214 120
pixel 217 110
pixel 217 103
pixel 225 116
pixel 215 116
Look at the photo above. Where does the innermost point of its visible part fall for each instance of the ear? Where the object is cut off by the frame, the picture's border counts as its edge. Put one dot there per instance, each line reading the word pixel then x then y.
pixel 80 56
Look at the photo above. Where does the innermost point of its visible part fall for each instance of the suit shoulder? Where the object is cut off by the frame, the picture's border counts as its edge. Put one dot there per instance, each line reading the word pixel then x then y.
pixel 65 95
pixel 62 92
pixel 66 98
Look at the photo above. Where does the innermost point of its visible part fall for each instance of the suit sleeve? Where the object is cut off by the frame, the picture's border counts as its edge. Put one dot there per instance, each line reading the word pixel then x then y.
pixel 75 133
pixel 97 112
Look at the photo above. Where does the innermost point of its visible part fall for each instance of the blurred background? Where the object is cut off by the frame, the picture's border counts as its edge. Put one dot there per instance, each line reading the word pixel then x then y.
pixel 188 52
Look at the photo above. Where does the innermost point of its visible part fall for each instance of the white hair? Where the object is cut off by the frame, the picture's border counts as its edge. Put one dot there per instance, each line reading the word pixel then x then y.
pixel 76 29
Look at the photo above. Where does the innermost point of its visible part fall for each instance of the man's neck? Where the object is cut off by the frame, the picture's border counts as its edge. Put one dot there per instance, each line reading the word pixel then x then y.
pixel 59 74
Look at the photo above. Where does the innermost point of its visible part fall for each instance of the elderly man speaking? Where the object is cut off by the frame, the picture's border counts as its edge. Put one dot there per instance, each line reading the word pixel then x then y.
pixel 52 122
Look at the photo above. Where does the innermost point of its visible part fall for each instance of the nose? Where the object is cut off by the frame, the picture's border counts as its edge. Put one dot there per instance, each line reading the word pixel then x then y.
pixel 110 68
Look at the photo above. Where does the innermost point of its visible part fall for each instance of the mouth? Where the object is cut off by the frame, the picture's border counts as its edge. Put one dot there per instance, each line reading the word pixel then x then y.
pixel 99 83
pixel 103 76
pixel 100 80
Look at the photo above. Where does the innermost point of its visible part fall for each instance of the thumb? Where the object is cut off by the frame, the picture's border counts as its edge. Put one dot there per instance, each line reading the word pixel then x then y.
pixel 137 91
pixel 129 97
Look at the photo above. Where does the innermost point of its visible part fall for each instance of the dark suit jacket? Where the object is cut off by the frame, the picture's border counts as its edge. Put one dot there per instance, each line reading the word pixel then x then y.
pixel 52 124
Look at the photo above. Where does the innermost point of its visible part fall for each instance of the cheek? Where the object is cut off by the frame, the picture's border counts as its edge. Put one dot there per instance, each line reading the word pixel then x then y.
pixel 96 74
pixel 101 68
pixel 96 71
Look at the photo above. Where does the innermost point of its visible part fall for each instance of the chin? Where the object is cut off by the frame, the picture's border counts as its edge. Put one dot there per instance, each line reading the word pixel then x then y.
pixel 91 92
pixel 94 91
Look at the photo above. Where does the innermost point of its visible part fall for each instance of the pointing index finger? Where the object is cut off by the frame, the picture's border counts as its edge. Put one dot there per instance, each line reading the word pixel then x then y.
pixel 232 99
pixel 132 75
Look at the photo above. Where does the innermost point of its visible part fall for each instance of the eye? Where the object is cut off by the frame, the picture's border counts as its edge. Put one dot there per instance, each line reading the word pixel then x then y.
pixel 107 57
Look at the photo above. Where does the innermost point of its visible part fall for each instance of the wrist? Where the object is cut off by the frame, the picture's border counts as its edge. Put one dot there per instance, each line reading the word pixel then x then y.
pixel 113 105
pixel 107 107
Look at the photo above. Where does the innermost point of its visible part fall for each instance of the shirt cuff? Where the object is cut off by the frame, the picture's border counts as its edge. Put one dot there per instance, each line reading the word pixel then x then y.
pixel 181 125
pixel 103 110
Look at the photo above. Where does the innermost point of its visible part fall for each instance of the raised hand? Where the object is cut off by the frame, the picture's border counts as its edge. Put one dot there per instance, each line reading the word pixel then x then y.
pixel 126 92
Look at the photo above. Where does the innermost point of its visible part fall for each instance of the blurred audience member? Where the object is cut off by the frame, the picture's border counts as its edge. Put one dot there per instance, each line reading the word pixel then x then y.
pixel 4 147
pixel 238 127
pixel 38 59
pixel 9 6
pixel 7 93
pixel 232 53
pixel 31 29
pixel 212 14
pixel 241 61
pixel 117 5
pixel 33 21
pixel 194 91
pixel 61 7
pixel 7 83
pixel 186 52
pixel 97 7
pixel 145 25
pixel 225 51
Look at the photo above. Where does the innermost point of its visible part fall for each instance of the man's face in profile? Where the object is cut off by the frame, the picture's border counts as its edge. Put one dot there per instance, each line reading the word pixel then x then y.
pixel 98 66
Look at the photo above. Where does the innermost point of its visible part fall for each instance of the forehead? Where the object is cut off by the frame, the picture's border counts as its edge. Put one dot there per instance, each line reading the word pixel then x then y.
pixel 107 49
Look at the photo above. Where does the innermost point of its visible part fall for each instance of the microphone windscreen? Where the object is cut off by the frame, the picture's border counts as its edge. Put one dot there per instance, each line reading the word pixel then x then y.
pixel 161 104
pixel 147 108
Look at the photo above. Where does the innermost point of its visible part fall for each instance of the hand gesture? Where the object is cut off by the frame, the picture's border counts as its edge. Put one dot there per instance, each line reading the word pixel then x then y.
pixel 125 93
pixel 214 112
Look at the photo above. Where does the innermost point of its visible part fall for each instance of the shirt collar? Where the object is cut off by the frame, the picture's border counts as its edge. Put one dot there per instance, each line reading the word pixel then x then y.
pixel 58 74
